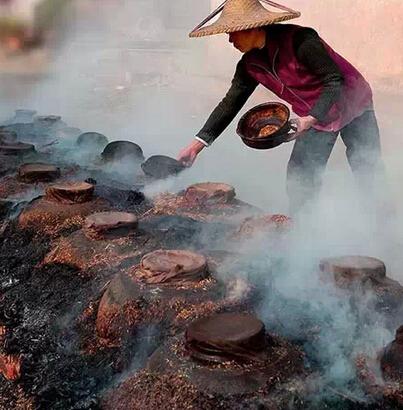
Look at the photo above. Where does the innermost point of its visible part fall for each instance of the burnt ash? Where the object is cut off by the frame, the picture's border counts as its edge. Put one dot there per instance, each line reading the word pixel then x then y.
pixel 41 309
pixel 175 230
pixel 49 311
pixel 124 199
pixel 36 307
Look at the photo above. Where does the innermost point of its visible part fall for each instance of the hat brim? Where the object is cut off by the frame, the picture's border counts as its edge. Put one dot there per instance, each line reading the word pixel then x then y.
pixel 219 27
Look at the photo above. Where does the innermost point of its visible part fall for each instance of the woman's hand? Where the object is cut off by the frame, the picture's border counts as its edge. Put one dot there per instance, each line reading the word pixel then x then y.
pixel 305 123
pixel 188 155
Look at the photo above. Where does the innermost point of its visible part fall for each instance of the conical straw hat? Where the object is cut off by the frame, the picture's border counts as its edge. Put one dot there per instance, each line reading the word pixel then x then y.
pixel 238 15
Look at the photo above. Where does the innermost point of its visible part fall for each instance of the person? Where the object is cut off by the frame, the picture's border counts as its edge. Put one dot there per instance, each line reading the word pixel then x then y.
pixel 329 95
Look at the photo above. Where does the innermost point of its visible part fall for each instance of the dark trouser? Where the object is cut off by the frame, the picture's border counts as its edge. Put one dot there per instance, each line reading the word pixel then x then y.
pixel 312 150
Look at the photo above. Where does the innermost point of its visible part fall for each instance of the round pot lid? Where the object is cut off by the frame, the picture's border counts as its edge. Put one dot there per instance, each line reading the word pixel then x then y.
pixel 38 172
pixel 106 224
pixel 225 336
pixel 210 193
pixel 70 192
pixel 353 267
pixel 18 148
pixel 171 266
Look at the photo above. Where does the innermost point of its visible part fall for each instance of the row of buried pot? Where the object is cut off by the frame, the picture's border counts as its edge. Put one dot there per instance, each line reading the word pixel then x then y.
pixel 164 277
pixel 165 287
pixel 229 358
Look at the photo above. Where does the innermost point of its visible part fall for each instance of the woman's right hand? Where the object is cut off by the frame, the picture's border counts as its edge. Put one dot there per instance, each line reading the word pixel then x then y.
pixel 188 155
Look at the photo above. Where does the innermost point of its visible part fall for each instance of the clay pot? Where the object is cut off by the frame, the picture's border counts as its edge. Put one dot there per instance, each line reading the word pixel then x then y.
pixel 392 358
pixel 225 358
pixel 21 116
pixel 209 193
pixel 121 150
pixel 168 288
pixel 266 126
pixel 63 207
pixel 350 268
pixel 264 224
pixel 225 337
pixel 104 225
pixel 18 149
pixel 7 137
pixel 92 141
pixel 161 166
pixel 208 201
pixel 38 172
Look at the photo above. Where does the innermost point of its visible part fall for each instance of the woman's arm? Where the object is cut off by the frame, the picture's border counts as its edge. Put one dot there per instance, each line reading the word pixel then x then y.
pixel 312 53
pixel 242 87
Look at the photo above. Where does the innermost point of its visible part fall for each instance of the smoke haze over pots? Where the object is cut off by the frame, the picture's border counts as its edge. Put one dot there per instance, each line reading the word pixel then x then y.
pixel 136 77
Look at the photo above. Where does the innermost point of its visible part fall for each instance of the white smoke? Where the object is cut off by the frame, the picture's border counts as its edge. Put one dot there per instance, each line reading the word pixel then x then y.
pixel 126 69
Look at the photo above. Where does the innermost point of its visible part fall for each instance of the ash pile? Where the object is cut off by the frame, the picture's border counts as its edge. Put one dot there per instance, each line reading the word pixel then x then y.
pixel 110 299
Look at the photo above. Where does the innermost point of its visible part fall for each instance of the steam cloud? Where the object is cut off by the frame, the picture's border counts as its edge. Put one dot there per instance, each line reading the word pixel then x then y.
pixel 130 77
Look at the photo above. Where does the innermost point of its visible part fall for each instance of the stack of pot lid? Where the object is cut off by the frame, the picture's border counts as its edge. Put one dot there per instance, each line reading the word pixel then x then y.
pixel 210 193
pixel 171 267
pixel 226 336
pixel 70 192
pixel 353 267
pixel 108 225
pixel 38 172
pixel 18 148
